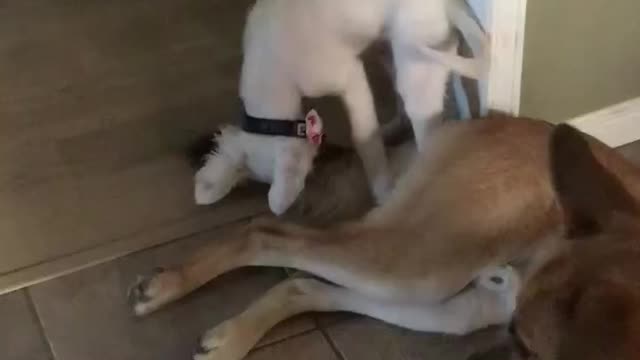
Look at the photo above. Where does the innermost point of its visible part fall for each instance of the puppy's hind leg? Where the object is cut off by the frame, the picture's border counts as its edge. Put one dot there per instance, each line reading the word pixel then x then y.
pixel 422 84
pixel 358 100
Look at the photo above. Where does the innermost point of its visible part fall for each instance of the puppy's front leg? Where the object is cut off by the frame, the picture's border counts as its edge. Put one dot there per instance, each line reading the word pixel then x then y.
pixel 358 100
pixel 292 164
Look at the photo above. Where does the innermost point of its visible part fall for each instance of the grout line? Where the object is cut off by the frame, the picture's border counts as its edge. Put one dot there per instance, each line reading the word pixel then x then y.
pixel 125 237
pixel 108 259
pixel 332 343
pixel 43 334
pixel 287 338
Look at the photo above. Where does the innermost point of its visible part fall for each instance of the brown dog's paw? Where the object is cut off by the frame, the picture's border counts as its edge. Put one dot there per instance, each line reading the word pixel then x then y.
pixel 227 341
pixel 150 292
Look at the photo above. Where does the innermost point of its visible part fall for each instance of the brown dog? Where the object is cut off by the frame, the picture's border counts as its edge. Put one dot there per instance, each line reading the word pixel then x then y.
pixel 486 204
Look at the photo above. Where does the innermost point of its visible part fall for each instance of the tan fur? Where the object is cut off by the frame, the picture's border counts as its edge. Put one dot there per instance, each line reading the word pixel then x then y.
pixel 478 198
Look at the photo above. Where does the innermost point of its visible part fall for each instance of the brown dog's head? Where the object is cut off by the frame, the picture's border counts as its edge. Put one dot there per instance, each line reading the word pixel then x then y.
pixel 585 304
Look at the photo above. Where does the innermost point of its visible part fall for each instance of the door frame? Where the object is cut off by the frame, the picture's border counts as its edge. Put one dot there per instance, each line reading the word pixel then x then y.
pixel 505 22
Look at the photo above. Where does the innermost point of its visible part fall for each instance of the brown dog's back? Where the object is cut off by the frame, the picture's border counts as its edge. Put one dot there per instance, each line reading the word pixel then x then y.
pixel 486 181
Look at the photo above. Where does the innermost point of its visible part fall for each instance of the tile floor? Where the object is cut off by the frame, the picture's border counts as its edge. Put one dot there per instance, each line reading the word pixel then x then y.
pixel 84 315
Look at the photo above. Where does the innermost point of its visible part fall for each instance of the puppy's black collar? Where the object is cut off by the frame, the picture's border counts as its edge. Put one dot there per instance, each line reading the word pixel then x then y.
pixel 274 127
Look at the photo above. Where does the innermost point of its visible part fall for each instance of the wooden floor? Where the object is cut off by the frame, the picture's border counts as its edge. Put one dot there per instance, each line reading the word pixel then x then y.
pixel 98 100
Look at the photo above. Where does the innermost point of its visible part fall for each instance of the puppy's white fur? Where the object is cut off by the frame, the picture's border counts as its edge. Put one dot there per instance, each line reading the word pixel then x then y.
pixel 311 48
pixel 280 161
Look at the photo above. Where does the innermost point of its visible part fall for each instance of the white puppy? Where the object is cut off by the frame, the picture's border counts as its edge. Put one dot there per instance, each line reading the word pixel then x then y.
pixel 311 48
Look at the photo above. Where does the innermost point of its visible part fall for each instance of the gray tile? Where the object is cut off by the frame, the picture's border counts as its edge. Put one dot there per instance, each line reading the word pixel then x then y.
pixel 85 314
pixel 326 320
pixel 369 339
pixel 311 346
pixel 20 334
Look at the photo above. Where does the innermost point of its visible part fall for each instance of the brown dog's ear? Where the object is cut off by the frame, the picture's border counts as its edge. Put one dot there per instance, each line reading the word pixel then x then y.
pixel 603 324
pixel 587 191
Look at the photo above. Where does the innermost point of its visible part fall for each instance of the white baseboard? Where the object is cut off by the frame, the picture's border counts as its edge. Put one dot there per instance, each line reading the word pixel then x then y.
pixel 616 125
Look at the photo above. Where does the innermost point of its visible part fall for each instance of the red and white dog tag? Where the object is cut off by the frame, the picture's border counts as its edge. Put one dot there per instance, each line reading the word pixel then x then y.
pixel 314 127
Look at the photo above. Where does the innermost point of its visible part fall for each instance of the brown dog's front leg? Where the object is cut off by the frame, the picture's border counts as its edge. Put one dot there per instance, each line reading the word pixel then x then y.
pixel 250 246
pixel 150 293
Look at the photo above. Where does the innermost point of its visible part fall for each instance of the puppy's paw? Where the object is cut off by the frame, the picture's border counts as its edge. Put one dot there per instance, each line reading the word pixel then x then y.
pixel 281 198
pixel 224 342
pixel 221 168
pixel 216 179
pixel 206 192
pixel 151 292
